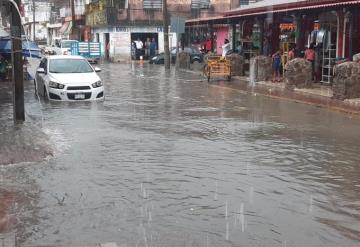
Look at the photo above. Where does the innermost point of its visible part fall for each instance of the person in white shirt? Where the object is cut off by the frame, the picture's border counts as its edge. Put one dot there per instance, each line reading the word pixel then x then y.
pixel 139 46
pixel 225 47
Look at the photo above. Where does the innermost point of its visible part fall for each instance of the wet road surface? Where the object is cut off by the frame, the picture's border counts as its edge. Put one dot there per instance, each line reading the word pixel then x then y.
pixel 168 160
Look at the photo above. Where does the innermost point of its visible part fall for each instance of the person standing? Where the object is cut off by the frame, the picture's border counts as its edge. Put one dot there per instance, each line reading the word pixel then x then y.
pixel 107 54
pixel 310 56
pixel 139 45
pixel 239 48
pixel 153 47
pixel 276 64
pixel 225 47
pixel 208 45
pixel 147 48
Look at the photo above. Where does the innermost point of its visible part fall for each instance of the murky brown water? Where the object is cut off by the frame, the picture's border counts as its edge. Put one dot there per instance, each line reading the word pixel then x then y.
pixel 168 160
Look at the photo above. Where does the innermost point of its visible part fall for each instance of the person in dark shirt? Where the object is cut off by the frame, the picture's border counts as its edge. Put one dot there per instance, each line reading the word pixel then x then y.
pixel 153 47
pixel 276 64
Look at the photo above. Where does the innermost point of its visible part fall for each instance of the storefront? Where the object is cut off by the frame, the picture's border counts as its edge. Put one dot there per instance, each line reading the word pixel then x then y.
pixel 118 40
pixel 333 27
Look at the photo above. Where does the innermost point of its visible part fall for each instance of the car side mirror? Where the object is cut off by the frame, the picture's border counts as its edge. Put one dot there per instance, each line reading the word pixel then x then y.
pixel 40 71
pixel 97 69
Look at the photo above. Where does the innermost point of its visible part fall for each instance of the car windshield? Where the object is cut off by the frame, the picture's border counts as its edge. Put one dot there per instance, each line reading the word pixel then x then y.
pixel 67 44
pixel 70 66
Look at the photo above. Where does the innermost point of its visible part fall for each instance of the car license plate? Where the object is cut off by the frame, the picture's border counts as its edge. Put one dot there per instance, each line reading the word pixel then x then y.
pixel 80 96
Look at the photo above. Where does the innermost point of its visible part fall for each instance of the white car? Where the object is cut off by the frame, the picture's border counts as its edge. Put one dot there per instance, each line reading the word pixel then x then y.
pixel 68 78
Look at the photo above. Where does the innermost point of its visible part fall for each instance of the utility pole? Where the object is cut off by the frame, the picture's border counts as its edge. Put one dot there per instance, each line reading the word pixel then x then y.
pixel 73 22
pixel 33 7
pixel 166 35
pixel 17 65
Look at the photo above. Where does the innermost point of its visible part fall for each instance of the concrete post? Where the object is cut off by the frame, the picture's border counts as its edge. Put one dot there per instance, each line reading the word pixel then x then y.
pixel 340 35
pixel 233 25
pixel 261 24
pixel 211 27
pixel 299 35
pixel 166 35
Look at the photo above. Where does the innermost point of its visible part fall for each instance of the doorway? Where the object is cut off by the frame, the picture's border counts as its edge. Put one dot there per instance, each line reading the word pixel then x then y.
pixel 107 45
pixel 145 51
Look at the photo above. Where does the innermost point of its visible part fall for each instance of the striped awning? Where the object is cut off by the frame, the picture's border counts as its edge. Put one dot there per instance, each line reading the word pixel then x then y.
pixel 69 28
pixel 64 27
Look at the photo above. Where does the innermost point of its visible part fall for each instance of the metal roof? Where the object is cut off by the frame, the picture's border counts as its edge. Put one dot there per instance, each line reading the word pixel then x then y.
pixel 268 6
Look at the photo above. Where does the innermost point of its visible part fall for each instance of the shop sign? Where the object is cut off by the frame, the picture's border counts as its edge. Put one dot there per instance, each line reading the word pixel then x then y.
pixel 287 26
pixel 122 29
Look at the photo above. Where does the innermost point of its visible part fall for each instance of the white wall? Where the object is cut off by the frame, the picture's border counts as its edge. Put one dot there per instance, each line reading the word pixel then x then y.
pixel 120 45
pixel 120 40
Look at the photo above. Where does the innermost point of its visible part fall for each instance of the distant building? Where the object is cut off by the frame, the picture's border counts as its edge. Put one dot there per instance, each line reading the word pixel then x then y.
pixel 116 23
pixel 42 18
pixel 80 31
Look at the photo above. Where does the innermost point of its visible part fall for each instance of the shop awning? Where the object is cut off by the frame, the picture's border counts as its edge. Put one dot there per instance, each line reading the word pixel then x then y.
pixel 273 6
pixel 69 29
pixel 30 48
pixel 291 5
pixel 64 27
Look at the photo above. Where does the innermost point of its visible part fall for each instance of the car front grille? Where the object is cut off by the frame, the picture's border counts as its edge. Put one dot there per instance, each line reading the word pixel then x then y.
pixel 71 96
pixel 78 88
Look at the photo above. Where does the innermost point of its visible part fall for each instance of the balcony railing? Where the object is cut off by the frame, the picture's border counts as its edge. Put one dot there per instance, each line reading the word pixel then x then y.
pixel 102 17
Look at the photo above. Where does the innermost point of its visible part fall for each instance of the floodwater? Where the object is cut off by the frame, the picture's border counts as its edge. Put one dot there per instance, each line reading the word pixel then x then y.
pixel 168 160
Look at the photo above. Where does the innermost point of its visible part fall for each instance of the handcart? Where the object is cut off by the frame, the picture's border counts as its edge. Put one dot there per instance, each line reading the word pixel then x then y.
pixel 218 66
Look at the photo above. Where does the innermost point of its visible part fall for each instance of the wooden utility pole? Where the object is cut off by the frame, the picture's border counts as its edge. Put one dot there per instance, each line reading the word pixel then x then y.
pixel 73 21
pixel 33 9
pixel 17 65
pixel 166 36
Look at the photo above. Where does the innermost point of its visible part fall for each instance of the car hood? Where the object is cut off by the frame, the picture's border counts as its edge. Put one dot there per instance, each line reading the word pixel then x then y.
pixel 74 78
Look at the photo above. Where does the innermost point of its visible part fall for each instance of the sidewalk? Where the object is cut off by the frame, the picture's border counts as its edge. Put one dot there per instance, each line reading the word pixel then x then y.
pixel 319 95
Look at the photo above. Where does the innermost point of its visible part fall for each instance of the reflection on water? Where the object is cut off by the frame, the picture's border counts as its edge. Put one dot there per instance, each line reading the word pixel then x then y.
pixel 168 160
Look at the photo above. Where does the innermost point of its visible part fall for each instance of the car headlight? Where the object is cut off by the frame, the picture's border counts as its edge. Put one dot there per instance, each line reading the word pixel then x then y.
pixel 53 84
pixel 154 58
pixel 97 84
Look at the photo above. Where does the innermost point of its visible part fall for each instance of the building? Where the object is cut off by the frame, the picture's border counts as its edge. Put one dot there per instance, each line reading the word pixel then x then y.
pixel 202 28
pixel 332 26
pixel 116 23
pixel 42 17
pixel 78 29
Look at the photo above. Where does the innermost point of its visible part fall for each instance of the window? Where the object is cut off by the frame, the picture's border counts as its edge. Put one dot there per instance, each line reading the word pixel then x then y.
pixel 152 4
pixel 119 4
pixel 244 2
pixel 200 4
pixel 70 66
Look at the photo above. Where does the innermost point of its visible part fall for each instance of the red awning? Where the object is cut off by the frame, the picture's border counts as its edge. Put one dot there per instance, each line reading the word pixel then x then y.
pixel 303 5
pixel 279 8
pixel 204 19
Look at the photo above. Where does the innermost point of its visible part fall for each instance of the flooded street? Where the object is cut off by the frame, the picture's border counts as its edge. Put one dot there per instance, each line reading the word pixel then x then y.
pixel 169 160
